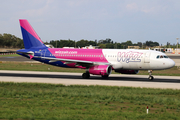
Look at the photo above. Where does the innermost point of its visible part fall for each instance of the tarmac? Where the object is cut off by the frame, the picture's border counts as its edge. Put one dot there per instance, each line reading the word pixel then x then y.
pixel 162 82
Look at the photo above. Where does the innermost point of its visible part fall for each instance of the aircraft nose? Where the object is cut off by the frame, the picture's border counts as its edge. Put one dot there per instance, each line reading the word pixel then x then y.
pixel 171 63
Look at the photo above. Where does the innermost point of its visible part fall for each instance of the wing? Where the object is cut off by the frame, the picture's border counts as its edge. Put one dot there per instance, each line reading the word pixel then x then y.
pixel 78 62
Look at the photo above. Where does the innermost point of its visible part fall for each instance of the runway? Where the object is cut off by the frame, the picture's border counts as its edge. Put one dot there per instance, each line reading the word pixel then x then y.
pixel 15 58
pixel 163 82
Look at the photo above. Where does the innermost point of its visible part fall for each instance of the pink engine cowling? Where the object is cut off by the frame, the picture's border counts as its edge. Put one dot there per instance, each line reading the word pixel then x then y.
pixel 127 71
pixel 100 70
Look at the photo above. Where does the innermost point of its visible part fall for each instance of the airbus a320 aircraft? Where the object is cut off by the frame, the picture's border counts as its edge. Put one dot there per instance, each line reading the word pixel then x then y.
pixel 95 61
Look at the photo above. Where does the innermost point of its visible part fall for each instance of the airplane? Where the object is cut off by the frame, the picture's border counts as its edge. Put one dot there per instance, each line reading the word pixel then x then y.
pixel 95 61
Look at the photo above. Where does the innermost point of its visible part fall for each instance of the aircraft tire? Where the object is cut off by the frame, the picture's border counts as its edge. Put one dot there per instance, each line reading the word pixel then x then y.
pixel 151 78
pixel 104 76
pixel 85 75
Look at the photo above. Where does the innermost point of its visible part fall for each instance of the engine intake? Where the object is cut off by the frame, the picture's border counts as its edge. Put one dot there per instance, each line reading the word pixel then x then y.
pixel 100 70
pixel 127 71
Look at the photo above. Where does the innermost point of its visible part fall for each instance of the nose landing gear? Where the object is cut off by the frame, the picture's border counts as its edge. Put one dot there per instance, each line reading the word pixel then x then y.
pixel 150 75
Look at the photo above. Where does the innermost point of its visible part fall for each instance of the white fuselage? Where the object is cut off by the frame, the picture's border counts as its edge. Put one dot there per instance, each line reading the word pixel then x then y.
pixel 137 59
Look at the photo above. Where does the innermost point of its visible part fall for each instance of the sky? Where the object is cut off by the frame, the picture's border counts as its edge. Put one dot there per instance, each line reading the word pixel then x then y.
pixel 119 20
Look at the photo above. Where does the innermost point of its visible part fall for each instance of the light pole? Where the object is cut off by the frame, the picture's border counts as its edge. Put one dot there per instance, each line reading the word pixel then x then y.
pixel 177 44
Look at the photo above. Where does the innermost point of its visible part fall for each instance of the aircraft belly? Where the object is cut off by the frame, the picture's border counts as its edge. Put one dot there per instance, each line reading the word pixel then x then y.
pixel 131 65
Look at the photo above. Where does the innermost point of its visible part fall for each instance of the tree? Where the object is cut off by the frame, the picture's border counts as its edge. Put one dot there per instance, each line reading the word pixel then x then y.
pixel 93 43
pixel 1 40
pixel 129 43
pixel 10 41
pixel 102 45
pixel 109 45
pixel 108 40
pixel 82 43
pixel 139 44
pixel 156 43
pixel 119 46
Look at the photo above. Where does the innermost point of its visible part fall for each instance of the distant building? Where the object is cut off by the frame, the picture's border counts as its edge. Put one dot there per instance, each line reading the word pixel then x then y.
pixel 168 50
pixel 90 47
pixel 69 47
pixel 176 51
pixel 133 47
pixel 49 46
pixel 86 47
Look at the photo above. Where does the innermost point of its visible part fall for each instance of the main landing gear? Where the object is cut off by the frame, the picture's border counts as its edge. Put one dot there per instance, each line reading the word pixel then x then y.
pixel 150 75
pixel 85 75
pixel 104 76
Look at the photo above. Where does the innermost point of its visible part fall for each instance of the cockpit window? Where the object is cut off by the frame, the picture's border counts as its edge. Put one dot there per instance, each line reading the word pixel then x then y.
pixel 162 56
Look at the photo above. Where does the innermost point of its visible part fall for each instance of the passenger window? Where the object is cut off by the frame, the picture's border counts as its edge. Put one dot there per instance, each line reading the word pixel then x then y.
pixel 157 56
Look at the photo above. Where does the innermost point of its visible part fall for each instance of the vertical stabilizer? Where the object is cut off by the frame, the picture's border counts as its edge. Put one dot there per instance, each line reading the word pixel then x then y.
pixel 30 38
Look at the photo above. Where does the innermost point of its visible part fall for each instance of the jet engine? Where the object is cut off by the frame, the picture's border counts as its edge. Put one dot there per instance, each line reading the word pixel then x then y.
pixel 127 71
pixel 100 70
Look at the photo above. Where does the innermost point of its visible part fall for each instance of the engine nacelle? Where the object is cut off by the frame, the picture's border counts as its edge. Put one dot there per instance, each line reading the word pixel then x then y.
pixel 100 70
pixel 127 71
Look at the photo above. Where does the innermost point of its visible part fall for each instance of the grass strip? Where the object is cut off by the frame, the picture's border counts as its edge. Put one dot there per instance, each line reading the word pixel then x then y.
pixel 49 101
pixel 9 55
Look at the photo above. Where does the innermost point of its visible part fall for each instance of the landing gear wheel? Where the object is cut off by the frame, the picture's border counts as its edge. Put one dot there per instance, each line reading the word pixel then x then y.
pixel 85 75
pixel 150 77
pixel 104 76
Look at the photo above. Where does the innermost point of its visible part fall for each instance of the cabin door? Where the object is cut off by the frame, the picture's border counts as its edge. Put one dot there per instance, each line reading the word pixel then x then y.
pixel 147 57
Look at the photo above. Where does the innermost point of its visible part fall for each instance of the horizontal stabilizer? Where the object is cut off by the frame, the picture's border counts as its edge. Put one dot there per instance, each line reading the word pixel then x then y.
pixel 30 53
